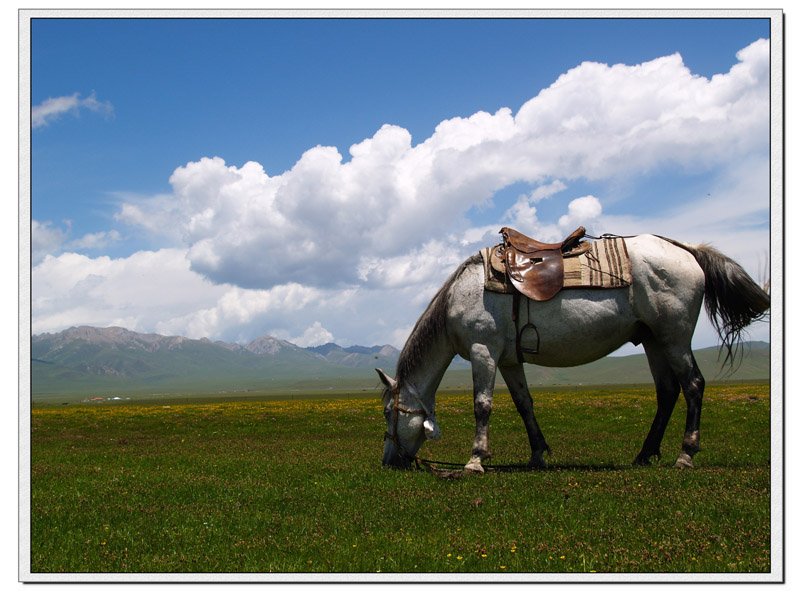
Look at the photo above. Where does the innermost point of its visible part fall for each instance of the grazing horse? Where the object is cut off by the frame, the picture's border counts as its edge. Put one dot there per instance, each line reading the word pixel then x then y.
pixel 670 281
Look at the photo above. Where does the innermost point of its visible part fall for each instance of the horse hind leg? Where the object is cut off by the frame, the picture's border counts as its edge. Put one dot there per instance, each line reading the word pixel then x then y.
pixel 672 365
pixel 692 384
pixel 667 392
pixel 515 378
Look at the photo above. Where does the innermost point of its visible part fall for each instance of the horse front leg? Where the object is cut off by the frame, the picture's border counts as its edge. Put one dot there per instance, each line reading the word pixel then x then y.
pixel 515 378
pixel 484 368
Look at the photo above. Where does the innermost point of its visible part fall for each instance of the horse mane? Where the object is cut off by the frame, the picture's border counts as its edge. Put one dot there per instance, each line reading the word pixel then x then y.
pixel 430 325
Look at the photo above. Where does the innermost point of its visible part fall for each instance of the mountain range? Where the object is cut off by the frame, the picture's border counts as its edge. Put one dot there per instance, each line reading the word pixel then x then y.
pixel 112 361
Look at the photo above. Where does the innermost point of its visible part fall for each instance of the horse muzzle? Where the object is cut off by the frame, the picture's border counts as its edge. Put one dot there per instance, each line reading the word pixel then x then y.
pixel 394 458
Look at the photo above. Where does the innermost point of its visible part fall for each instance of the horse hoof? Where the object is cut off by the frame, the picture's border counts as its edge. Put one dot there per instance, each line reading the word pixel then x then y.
pixel 536 463
pixel 644 458
pixel 474 466
pixel 684 461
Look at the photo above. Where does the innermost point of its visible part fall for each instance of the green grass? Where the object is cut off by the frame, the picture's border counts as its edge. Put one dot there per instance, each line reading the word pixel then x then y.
pixel 272 485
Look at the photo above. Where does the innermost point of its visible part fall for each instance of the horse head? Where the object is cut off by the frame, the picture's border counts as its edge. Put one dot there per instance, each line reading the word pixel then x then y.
pixel 409 424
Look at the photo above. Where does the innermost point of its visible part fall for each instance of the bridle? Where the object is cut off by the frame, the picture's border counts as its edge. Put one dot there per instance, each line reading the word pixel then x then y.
pixel 396 410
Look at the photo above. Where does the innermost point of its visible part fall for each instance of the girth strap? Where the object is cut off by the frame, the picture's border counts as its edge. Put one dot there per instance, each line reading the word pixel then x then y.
pixel 527 325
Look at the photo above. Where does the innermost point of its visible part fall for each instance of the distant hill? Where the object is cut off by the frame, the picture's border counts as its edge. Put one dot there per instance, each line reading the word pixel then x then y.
pixel 112 361
pixel 359 356
pixel 754 363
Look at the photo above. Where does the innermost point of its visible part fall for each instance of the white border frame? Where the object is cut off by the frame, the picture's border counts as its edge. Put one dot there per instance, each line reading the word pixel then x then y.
pixel 777 301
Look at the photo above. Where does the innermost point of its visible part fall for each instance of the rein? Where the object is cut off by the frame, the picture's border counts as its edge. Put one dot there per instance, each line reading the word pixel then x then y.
pixel 491 468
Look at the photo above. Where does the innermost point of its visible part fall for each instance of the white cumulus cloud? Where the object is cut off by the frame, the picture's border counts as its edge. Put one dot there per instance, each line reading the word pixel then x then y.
pixel 316 335
pixel 139 290
pixel 581 211
pixel 330 222
pixel 158 292
pixel 362 242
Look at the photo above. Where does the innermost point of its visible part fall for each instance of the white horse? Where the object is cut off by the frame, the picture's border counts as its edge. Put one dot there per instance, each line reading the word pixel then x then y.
pixel 577 326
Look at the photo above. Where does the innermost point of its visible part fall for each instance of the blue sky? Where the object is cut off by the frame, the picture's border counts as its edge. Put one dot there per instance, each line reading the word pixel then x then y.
pixel 174 160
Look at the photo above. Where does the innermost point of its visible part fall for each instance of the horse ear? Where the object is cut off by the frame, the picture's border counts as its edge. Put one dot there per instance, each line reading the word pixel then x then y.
pixel 386 379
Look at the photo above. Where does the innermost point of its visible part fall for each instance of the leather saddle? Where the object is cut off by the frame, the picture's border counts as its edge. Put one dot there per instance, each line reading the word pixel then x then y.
pixel 537 269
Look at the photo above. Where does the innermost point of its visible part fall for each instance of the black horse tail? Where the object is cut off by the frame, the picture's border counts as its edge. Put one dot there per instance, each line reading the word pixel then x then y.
pixel 733 300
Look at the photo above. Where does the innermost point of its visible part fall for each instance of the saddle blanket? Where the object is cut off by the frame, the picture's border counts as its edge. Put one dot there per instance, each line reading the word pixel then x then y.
pixel 605 264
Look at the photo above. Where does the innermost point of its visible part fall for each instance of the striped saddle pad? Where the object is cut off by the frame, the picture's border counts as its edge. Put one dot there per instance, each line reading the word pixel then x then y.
pixel 605 264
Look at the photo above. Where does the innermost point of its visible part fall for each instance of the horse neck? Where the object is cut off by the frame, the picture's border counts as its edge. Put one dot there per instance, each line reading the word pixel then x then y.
pixel 428 373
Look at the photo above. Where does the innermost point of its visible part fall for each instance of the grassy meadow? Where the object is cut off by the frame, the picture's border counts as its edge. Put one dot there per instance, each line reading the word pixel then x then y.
pixel 270 484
